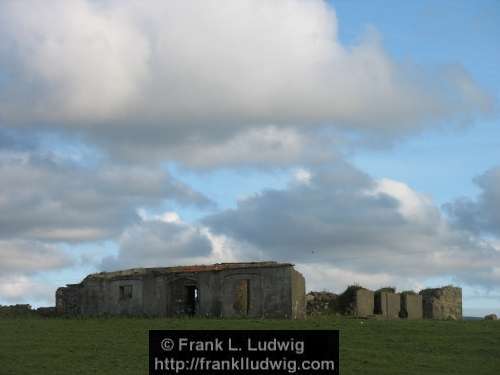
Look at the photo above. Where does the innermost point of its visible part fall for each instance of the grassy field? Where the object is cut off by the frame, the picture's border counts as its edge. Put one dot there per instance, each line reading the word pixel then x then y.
pixel 120 345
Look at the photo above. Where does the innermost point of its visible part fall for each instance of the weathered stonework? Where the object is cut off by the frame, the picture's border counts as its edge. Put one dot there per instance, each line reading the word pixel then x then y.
pixel 257 290
pixel 387 304
pixel 364 303
pixel 411 306
pixel 442 303
pixel 68 300
pixel 15 310
pixel 321 303
pixel 356 301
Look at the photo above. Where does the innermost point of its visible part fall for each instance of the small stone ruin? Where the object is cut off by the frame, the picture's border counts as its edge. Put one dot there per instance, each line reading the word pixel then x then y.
pixel 411 306
pixel 361 303
pixel 321 303
pixel 15 311
pixel 385 303
pixel 442 303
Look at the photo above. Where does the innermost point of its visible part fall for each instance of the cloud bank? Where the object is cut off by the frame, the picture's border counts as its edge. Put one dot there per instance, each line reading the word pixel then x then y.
pixel 482 215
pixel 153 79
pixel 42 198
pixel 343 219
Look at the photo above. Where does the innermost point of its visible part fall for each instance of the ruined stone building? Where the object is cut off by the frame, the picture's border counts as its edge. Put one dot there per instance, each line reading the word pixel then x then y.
pixel 385 303
pixel 257 289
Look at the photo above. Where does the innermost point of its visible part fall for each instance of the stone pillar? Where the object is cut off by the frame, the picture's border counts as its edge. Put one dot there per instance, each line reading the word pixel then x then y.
pixel 363 306
pixel 411 306
pixel 387 304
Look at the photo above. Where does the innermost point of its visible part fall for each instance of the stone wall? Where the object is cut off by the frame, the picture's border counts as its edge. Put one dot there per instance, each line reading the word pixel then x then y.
pixel 437 303
pixel 364 303
pixel 442 303
pixel 356 301
pixel 18 311
pixel 321 303
pixel 68 300
pixel 15 310
pixel 387 303
pixel 298 295
pixel 46 312
pixel 262 290
pixel 411 306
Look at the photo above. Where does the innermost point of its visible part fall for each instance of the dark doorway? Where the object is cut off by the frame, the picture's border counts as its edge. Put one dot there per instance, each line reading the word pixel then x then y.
pixel 191 299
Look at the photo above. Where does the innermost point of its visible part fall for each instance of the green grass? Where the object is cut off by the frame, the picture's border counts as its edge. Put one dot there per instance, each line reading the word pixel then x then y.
pixel 120 345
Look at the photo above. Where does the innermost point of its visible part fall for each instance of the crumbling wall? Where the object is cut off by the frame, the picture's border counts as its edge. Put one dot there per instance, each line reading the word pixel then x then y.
pixel 411 306
pixel 15 310
pixel 20 311
pixel 364 300
pixel 68 301
pixel 387 303
pixel 321 303
pixel 298 295
pixel 46 312
pixel 442 303
pixel 356 301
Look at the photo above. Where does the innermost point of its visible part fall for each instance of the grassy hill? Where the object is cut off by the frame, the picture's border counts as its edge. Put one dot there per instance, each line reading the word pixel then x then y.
pixel 120 345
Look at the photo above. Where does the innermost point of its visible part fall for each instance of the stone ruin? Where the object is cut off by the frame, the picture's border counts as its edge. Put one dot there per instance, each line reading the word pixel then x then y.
pixel 255 289
pixel 387 303
pixel 442 303
pixel 249 289
pixel 320 303
pixel 15 310
pixel 438 303
pixel 491 317
pixel 411 306
pixel 357 301
pixel 18 310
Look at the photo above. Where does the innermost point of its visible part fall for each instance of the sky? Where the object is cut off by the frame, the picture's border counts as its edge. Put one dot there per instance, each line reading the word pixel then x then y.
pixel 359 140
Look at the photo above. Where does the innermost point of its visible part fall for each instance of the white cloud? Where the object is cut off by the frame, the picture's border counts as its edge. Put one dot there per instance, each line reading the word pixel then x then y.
pixel 302 176
pixel 166 240
pixel 159 243
pixel 231 81
pixel 23 289
pixel 335 278
pixel 412 205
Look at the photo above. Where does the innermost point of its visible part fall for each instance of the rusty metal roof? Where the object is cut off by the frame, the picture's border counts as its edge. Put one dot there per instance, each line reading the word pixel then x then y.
pixel 137 272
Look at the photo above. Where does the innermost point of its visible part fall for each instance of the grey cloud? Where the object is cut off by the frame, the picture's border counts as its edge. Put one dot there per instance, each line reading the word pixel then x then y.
pixel 480 215
pixel 153 79
pixel 345 219
pixel 21 261
pixel 48 199
pixel 157 243
pixel 29 257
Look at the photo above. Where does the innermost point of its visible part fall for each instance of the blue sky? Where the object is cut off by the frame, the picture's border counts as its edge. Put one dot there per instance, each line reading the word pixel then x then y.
pixel 429 32
pixel 363 132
